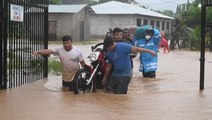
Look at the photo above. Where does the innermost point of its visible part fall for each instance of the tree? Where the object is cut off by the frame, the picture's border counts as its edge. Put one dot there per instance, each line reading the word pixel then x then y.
pixel 54 1
pixel 124 1
pixel 189 17
pixel 90 2
pixel 168 13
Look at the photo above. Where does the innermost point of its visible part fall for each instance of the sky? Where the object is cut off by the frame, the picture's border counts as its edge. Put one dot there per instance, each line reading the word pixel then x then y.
pixel 163 4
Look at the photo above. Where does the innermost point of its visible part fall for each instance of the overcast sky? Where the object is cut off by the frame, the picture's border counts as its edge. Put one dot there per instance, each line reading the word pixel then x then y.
pixel 163 4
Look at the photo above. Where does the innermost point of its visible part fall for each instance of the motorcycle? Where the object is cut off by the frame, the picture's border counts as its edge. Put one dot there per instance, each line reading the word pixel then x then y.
pixel 89 78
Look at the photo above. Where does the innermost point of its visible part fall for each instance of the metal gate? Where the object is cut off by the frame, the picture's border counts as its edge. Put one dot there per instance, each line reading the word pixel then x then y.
pixel 23 29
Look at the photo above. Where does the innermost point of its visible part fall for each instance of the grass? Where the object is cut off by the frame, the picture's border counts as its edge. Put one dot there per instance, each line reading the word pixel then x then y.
pixel 54 67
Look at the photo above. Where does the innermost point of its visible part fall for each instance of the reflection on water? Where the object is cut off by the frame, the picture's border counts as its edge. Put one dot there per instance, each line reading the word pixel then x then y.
pixel 173 95
pixel 54 83
pixel 52 86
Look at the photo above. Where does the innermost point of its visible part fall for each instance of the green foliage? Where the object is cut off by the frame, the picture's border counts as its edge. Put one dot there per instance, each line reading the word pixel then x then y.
pixel 196 32
pixel 192 16
pixel 19 62
pixel 189 16
pixel 14 61
pixel 35 2
pixel 92 2
pixel 125 1
pixel 54 66
pixel 195 42
pixel 209 16
pixel 54 1
pixel 35 66
pixel 168 13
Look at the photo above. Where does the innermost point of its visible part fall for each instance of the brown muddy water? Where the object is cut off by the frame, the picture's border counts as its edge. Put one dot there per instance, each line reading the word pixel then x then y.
pixel 173 95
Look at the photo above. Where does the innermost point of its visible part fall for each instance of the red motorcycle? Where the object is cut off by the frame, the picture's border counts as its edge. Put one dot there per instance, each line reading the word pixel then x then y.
pixel 90 77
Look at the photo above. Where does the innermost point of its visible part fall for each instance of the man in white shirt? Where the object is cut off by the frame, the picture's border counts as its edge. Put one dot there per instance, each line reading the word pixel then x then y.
pixel 70 57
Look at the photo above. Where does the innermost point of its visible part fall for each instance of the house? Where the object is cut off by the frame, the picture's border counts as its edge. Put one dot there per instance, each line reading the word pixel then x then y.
pixel 117 14
pixel 85 22
pixel 68 20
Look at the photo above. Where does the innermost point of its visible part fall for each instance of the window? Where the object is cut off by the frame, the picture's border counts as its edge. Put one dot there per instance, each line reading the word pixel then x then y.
pixel 167 26
pixel 138 22
pixel 158 24
pixel 145 22
pixel 163 25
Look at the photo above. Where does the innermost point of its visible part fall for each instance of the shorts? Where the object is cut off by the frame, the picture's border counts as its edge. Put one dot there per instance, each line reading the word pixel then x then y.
pixel 70 85
pixel 118 84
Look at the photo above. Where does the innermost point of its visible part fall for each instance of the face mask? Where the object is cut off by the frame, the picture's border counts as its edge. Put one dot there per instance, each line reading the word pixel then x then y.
pixel 148 37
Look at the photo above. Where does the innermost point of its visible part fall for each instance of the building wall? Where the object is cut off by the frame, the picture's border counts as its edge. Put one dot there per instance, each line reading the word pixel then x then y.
pixel 86 26
pixel 75 25
pixel 87 35
pixel 81 26
pixel 99 24
pixel 64 24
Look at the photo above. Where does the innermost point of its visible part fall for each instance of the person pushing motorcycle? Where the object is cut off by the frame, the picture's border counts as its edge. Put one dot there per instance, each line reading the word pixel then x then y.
pixel 119 57
pixel 70 57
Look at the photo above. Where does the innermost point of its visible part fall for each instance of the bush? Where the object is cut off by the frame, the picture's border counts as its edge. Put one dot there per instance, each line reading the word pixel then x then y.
pixel 54 67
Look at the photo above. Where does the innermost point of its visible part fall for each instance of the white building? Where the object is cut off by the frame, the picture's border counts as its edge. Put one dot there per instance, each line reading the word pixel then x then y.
pixel 84 22
pixel 117 14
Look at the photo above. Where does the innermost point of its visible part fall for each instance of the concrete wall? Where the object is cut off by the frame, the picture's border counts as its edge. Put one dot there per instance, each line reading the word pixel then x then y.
pixel 75 25
pixel 99 24
pixel 64 24
pixel 81 26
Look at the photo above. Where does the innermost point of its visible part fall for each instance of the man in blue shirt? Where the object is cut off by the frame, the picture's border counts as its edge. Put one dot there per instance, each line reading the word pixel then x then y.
pixel 119 58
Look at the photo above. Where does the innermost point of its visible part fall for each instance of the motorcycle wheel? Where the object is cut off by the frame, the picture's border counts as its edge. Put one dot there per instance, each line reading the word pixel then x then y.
pixel 80 80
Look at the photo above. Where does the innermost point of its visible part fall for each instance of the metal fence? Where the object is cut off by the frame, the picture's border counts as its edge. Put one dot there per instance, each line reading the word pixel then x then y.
pixel 23 29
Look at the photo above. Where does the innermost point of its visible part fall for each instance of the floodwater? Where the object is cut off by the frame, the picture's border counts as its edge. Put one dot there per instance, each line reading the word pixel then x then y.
pixel 173 95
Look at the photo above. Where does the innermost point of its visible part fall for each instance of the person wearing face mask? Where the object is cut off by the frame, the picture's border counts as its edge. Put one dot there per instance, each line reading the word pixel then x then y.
pixel 149 38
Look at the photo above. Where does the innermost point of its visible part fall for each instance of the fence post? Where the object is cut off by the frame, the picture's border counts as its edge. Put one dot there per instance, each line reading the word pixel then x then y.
pixel 202 55
pixel 3 47
pixel 1 36
pixel 46 38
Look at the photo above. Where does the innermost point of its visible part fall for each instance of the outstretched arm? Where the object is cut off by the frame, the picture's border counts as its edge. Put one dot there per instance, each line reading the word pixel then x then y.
pixel 43 52
pixel 138 49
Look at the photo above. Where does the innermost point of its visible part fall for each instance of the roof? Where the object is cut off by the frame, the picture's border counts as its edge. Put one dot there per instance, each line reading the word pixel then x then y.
pixel 66 8
pixel 114 7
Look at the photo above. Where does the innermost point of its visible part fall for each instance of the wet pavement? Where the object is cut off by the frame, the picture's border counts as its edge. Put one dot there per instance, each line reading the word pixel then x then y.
pixel 173 95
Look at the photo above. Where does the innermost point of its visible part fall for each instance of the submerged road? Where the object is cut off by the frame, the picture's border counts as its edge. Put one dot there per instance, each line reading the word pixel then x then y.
pixel 173 95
